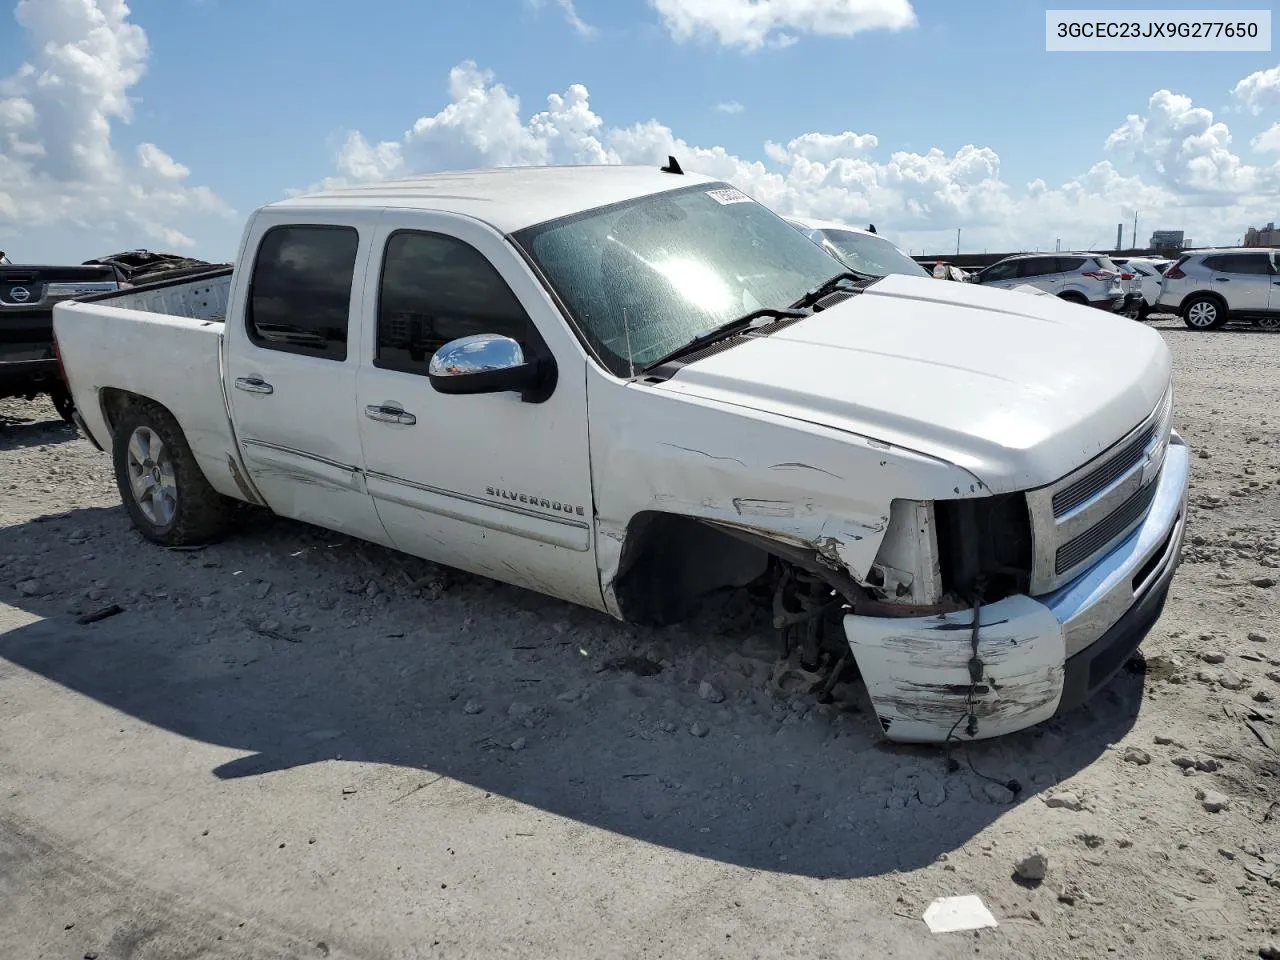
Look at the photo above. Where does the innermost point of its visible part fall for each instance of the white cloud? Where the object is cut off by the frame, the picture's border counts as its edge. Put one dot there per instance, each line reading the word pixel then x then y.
pixel 1268 140
pixel 1182 172
pixel 156 160
pixel 570 13
pixel 752 24
pixel 730 107
pixel 1182 147
pixel 1259 90
pixel 59 169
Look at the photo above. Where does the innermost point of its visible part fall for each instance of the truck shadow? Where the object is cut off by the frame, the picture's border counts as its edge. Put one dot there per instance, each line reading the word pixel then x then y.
pixel 18 431
pixel 512 692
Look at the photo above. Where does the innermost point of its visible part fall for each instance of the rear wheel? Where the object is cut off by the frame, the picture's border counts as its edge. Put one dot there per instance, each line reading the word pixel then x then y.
pixel 1204 313
pixel 163 489
pixel 62 402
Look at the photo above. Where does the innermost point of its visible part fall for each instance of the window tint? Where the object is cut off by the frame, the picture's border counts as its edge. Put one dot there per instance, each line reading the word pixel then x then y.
pixel 1221 264
pixel 300 294
pixel 1037 267
pixel 1069 264
pixel 436 289
pixel 1106 263
pixel 1247 263
pixel 1000 271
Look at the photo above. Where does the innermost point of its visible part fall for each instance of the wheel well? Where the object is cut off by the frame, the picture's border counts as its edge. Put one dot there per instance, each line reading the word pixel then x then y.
pixel 669 561
pixel 1073 296
pixel 1202 295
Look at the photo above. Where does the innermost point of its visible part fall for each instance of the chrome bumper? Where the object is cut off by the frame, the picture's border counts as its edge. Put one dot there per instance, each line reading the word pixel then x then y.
pixel 1032 649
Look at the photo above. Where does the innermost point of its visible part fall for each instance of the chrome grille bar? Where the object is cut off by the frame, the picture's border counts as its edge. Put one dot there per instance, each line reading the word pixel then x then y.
pixel 1077 519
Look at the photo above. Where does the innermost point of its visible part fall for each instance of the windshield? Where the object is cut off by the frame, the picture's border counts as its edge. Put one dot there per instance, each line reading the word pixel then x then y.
pixel 644 277
pixel 870 254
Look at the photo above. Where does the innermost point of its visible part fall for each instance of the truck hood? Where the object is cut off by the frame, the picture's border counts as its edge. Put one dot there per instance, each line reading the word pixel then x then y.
pixel 1018 390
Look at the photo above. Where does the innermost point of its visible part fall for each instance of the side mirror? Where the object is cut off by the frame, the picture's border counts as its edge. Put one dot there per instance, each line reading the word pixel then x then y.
pixel 490 363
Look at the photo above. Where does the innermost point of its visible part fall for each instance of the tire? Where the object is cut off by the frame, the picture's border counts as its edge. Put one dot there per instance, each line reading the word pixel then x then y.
pixel 162 487
pixel 1204 313
pixel 1271 322
pixel 63 403
pixel 1144 311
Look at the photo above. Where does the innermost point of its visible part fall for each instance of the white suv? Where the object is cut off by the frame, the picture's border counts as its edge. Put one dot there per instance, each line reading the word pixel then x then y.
pixel 1211 287
pixel 1084 278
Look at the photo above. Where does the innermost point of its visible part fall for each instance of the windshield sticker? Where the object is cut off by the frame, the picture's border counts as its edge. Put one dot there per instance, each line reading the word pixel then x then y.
pixel 728 196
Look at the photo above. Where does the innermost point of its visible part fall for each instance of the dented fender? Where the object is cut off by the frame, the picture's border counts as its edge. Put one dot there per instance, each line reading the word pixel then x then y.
pixel 799 483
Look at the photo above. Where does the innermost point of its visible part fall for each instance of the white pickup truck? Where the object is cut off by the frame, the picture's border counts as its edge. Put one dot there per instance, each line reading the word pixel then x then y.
pixel 628 387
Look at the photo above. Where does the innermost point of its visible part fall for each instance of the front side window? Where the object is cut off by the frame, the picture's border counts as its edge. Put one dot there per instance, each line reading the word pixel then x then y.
pixel 871 254
pixel 1000 271
pixel 434 289
pixel 300 292
pixel 644 277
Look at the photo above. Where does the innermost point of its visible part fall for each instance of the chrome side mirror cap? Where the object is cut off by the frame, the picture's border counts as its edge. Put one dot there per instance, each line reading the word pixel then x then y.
pixel 490 363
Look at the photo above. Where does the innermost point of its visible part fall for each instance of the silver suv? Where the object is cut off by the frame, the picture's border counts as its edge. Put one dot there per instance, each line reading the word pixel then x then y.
pixel 1084 278
pixel 1211 287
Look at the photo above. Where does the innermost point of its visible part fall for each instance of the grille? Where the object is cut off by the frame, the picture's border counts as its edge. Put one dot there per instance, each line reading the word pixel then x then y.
pixel 1068 498
pixel 1079 548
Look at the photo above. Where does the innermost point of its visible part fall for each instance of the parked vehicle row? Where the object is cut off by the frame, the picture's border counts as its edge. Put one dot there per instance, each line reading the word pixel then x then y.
pixel 629 387
pixel 28 367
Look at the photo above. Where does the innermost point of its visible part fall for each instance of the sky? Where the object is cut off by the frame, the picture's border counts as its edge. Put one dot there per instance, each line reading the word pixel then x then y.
pixel 164 123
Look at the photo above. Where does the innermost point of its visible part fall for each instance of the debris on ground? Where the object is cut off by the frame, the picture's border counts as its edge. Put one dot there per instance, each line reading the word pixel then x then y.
pixel 958 915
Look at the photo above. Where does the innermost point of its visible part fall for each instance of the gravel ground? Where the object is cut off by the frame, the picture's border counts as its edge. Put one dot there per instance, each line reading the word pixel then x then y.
pixel 292 744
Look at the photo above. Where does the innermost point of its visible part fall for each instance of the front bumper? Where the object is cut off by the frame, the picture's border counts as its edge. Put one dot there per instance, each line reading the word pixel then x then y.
pixel 1040 656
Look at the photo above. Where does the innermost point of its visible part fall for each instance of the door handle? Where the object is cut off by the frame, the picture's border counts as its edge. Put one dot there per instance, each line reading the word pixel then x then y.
pixel 253 385
pixel 1222 279
pixel 389 415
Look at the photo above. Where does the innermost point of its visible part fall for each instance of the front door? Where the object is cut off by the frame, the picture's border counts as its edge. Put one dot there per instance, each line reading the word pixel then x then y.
pixel 483 482
pixel 291 376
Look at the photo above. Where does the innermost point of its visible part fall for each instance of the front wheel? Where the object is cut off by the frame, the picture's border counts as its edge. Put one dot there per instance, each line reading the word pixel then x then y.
pixel 1204 313
pixel 163 489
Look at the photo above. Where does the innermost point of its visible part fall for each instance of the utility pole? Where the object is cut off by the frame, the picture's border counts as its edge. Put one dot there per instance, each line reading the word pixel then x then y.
pixel 1135 229
pixel 957 241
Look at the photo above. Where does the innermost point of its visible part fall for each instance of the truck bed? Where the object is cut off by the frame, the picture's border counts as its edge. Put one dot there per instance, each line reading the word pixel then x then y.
pixel 163 342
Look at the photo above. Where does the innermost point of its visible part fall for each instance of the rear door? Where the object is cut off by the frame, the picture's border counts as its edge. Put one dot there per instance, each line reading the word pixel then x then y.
pixel 290 374
pixel 1244 279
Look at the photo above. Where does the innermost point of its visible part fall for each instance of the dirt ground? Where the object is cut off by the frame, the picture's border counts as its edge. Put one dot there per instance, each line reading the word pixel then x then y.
pixel 291 744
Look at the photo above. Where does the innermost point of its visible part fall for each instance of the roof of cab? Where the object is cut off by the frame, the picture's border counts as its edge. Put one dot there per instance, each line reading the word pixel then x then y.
pixel 508 198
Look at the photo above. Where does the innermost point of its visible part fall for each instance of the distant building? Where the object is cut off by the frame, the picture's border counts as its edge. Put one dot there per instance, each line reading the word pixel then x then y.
pixel 1166 239
pixel 1267 236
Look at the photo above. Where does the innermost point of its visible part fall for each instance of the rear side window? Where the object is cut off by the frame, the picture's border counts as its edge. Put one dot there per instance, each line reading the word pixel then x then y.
pixel 435 289
pixel 1252 263
pixel 1069 264
pixel 1221 264
pixel 300 293
pixel 1106 263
